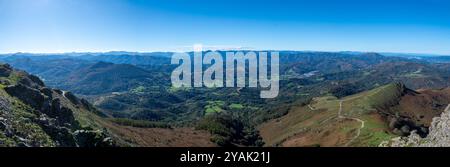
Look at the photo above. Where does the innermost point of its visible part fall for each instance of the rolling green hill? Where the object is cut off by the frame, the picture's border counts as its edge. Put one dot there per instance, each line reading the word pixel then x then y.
pixel 363 119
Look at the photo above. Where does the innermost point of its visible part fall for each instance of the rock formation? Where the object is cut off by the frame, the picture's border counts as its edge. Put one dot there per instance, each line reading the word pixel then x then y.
pixel 438 136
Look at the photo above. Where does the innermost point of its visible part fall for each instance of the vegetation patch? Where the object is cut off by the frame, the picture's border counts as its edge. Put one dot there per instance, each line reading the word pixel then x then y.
pixel 137 90
pixel 139 123
pixel 229 131
pixel 236 106
pixel 214 107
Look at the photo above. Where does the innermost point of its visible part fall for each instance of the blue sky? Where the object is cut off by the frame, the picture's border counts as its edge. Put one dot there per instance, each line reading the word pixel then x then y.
pixel 50 26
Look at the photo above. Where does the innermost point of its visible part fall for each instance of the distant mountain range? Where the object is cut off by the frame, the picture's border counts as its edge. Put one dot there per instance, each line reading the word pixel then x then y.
pixel 130 90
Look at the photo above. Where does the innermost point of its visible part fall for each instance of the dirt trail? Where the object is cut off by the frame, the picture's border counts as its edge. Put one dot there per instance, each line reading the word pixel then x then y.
pixel 311 107
pixel 340 116
pixel 358 133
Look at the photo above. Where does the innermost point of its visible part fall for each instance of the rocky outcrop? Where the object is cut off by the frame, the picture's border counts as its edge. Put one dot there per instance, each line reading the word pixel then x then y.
pixel 5 70
pixel 72 98
pixel 31 81
pixel 438 136
pixel 42 100
pixel 92 138
pixel 28 95
pixel 404 126
pixel 60 134
pixel 53 111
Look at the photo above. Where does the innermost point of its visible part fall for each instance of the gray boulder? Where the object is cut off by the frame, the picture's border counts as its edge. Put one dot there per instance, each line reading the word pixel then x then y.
pixel 28 95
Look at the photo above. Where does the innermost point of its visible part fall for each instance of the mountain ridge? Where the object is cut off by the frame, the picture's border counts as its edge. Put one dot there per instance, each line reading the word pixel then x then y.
pixel 34 115
pixel 384 111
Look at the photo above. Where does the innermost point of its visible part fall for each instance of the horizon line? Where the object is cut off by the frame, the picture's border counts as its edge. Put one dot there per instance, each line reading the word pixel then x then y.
pixel 236 49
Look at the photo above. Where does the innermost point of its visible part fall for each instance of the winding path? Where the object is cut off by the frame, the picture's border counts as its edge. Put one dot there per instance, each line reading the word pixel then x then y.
pixel 358 133
pixel 309 105
pixel 340 116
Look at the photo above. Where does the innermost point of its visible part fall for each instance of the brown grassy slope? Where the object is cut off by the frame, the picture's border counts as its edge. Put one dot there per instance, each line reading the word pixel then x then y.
pixel 422 106
pixel 304 126
pixel 319 124
pixel 158 137
pixel 126 136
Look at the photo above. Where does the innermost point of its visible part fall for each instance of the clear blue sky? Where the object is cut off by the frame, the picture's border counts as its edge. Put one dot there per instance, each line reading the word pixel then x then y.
pixel 414 26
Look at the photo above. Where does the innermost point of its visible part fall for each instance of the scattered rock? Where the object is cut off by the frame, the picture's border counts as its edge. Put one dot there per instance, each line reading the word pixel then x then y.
pixel 31 81
pixel 4 105
pixel 53 111
pixel 405 129
pixel 62 113
pixel 23 142
pixel 3 125
pixel 93 138
pixel 72 98
pixel 30 96
pixel 47 91
pixel 438 136
pixel 60 92
pixel 61 135
pixel 5 70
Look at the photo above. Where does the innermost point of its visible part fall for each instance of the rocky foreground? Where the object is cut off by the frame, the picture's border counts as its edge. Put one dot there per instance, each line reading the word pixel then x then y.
pixel 439 134
pixel 33 115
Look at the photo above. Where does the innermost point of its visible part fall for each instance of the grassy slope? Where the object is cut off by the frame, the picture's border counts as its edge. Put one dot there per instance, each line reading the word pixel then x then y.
pixel 20 116
pixel 319 124
pixel 124 135
pixel 156 137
